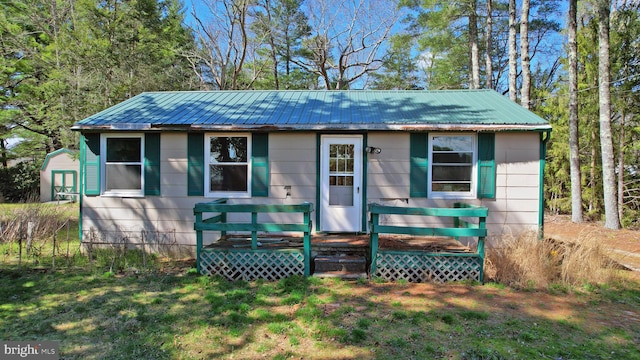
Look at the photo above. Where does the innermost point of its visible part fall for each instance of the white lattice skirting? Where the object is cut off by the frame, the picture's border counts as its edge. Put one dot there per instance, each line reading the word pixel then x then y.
pixel 423 267
pixel 251 265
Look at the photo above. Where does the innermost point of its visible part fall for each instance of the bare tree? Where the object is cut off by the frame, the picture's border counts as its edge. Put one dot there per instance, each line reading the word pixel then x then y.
pixel 348 39
pixel 513 52
pixel 223 39
pixel 612 220
pixel 473 45
pixel 574 145
pixel 524 55
pixel 489 46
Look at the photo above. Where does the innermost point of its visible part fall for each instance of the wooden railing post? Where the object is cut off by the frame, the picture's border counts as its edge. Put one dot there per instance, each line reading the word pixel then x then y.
pixel 375 217
pixel 307 242
pixel 482 223
pixel 254 234
pixel 198 240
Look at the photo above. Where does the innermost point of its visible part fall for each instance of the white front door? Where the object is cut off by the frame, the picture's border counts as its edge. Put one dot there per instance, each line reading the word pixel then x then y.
pixel 341 183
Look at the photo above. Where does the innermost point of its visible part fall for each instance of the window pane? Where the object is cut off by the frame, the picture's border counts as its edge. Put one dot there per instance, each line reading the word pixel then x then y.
pixel 451 173
pixel 341 195
pixel 123 177
pixel 452 158
pixel 341 158
pixel 228 178
pixel 452 143
pixel 228 149
pixel 466 187
pixel 123 149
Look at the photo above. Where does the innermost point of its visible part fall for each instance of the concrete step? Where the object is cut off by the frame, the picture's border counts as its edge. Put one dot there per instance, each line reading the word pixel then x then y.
pixel 341 275
pixel 340 265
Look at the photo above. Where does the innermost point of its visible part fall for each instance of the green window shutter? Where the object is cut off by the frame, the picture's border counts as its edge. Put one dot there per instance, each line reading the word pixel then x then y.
pixel 260 164
pixel 152 164
pixel 486 166
pixel 419 165
pixel 195 164
pixel 91 163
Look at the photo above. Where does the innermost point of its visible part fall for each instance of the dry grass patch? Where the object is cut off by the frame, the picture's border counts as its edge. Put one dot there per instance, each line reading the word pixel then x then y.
pixel 528 262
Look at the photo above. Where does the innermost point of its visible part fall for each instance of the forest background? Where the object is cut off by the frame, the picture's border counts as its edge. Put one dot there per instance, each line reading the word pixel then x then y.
pixel 576 64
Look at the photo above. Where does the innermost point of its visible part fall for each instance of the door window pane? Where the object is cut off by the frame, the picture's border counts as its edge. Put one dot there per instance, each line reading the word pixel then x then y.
pixel 341 170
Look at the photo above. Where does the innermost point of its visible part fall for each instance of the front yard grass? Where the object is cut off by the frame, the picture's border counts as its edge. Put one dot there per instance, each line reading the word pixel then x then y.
pixel 181 315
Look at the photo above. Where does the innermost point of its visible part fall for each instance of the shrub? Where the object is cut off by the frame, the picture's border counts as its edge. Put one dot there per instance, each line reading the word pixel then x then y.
pixel 20 183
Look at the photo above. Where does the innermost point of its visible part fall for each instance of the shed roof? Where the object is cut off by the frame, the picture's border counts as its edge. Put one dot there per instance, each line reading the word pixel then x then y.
pixel 316 110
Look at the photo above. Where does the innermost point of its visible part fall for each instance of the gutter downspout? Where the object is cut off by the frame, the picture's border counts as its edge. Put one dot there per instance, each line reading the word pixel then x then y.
pixel 544 138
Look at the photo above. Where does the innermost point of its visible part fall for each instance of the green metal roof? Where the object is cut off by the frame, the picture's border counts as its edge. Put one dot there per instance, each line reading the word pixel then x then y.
pixel 316 110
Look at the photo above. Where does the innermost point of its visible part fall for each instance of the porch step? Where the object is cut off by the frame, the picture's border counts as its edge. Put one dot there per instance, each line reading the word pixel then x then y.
pixel 342 266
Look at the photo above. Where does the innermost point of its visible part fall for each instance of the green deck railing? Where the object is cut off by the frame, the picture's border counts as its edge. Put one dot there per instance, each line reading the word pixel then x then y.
pixel 219 223
pixel 460 226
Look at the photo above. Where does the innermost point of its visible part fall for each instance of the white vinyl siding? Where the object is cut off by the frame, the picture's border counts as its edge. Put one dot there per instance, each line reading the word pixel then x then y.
pixel 168 219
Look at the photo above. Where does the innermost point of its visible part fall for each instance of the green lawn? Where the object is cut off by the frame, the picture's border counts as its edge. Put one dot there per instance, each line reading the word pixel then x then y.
pixel 180 315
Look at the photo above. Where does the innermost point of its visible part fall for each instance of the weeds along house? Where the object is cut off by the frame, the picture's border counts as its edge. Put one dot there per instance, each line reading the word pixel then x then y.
pixel 147 161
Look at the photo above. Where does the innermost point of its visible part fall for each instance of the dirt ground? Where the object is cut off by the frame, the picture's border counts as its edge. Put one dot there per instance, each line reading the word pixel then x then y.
pixel 623 245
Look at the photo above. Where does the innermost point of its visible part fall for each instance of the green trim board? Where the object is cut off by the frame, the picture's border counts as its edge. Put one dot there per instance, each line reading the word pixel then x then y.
pixel 365 171
pixel 486 166
pixel 544 138
pixel 82 181
pixel 318 179
pixel 152 164
pixel 260 165
pixel 90 162
pixel 195 164
pixel 419 164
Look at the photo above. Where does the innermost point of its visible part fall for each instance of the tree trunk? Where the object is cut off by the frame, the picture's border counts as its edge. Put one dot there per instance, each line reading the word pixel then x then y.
pixel 574 144
pixel 473 46
pixel 489 46
pixel 524 55
pixel 513 52
pixel 272 45
pixel 3 153
pixel 592 169
pixel 612 221
pixel 621 144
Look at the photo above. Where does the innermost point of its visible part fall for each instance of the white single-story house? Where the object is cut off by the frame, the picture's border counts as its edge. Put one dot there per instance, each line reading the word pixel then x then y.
pixel 147 161
pixel 59 176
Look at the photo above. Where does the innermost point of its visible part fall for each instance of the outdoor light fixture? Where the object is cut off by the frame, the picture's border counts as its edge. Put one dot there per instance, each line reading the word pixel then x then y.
pixel 373 150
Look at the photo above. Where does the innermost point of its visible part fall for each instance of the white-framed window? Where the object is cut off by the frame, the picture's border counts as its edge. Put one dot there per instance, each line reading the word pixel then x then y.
pixel 122 164
pixel 227 170
pixel 452 170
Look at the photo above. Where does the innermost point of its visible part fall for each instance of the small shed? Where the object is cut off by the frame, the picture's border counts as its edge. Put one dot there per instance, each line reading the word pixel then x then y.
pixel 59 176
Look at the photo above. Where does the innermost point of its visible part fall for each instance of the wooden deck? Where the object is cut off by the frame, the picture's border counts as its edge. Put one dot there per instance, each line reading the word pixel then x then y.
pixel 391 252
pixel 342 241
